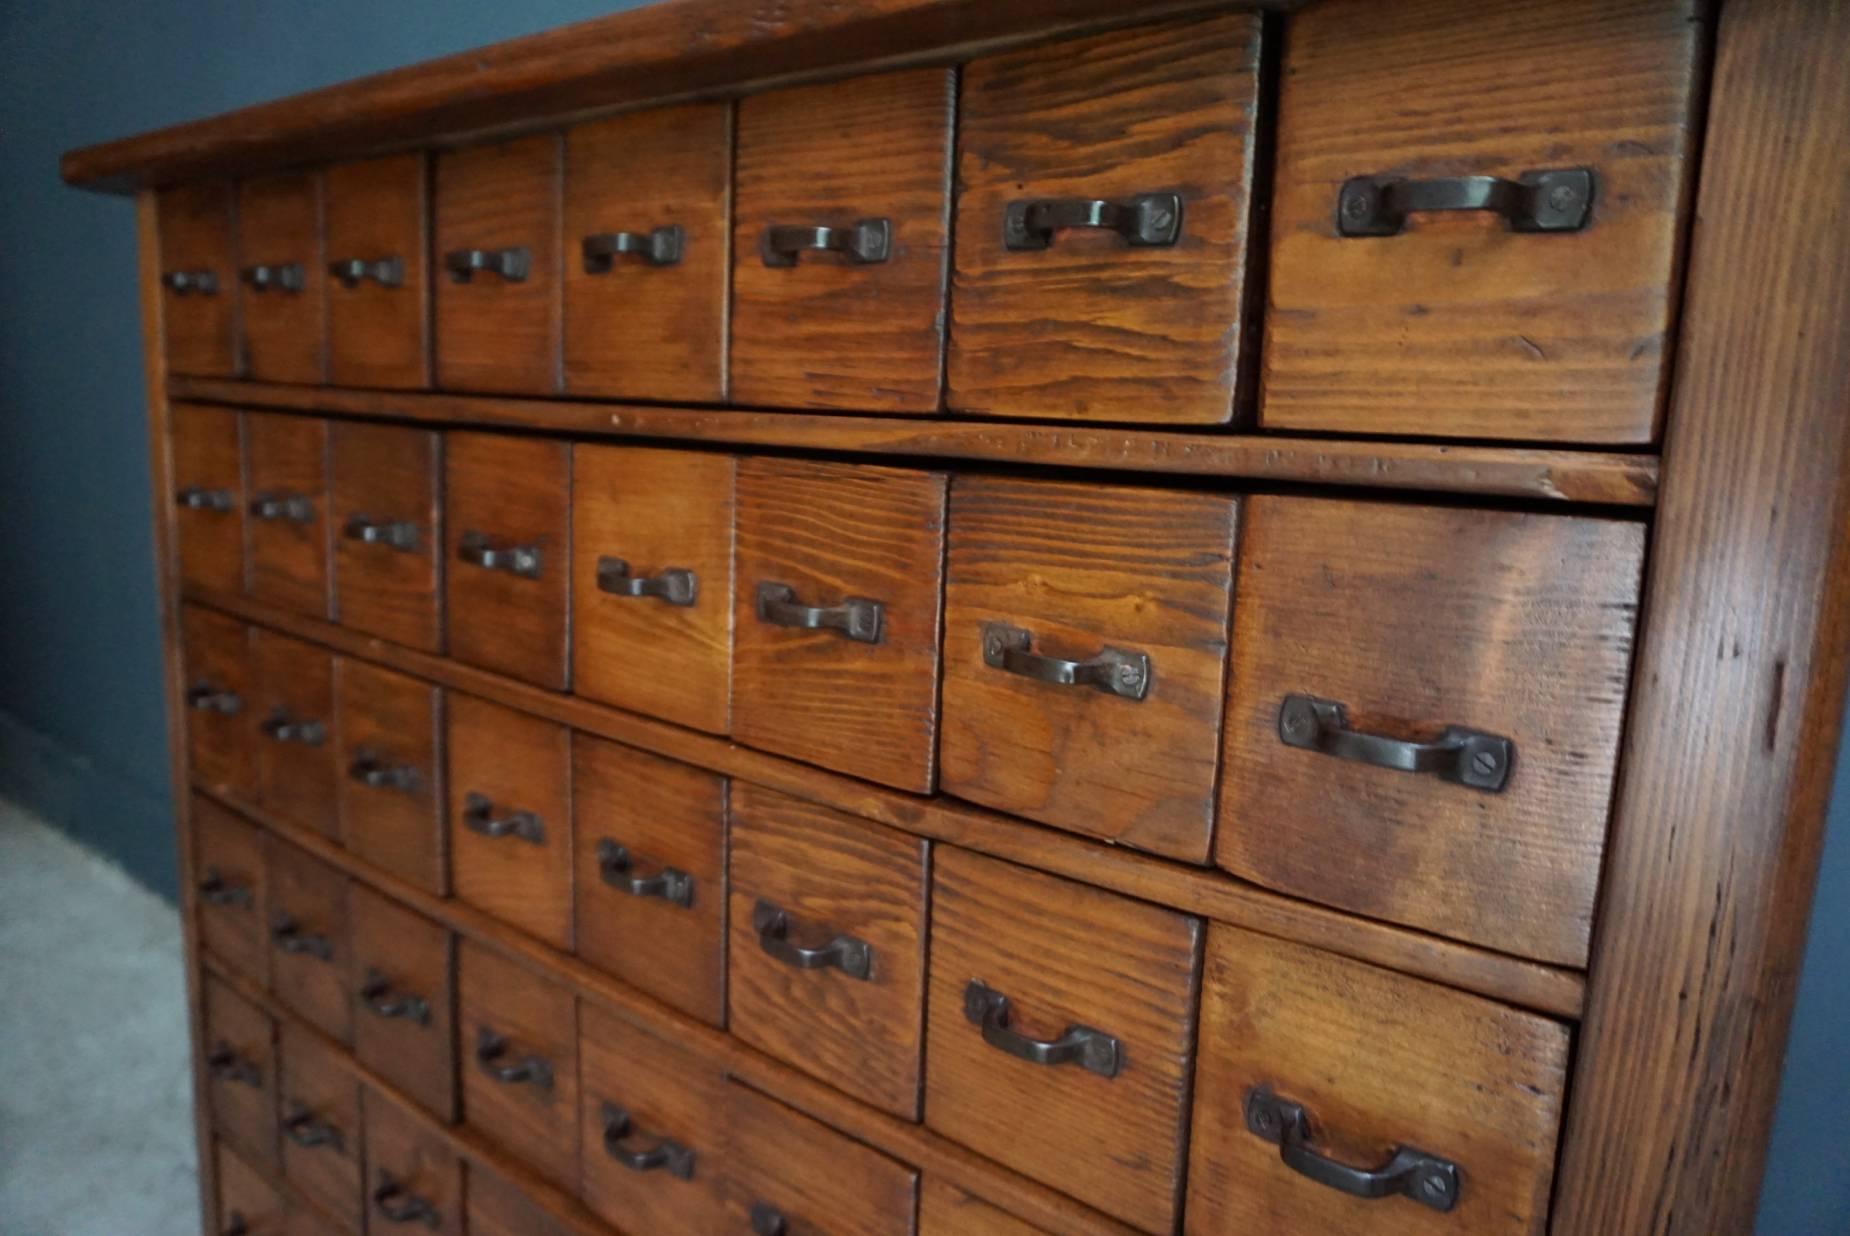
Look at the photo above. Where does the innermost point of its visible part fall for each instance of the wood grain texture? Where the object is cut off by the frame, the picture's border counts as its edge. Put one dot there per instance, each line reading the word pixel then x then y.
pixel 1090 328
pixel 286 457
pixel 285 332
pixel 387 474
pixel 243 1107
pixel 228 855
pixel 216 660
pixel 389 721
pixel 814 1177
pixel 244 1195
pixel 308 901
pixel 316 1084
pixel 416 959
pixel 539 1021
pixel 497 1208
pixel 297 777
pixel 199 329
pixel 379 209
pixel 826 332
pixel 208 455
pixel 1084 568
pixel 401 1149
pixel 946 1210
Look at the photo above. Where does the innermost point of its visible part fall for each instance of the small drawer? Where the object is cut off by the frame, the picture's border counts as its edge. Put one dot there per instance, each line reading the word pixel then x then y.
pixel 1085 648
pixel 248 1204
pixel 221 702
pixel 294 724
pixel 507 510
pixel 1103 211
pixel 647 220
pixel 1477 219
pixel 379 273
pixel 498 259
pixel 651 873
pixel 403 976
pixel 840 589
pixel 240 1072
pixel 388 530
pixel 199 281
pixel 287 475
pixel 946 1210
pixel 520 1076
pixel 840 240
pixel 310 964
pixel 301 1221
pixel 1489 651
pixel 826 948
pixel 232 890
pixel 390 766
pixel 497 1208
pixel 510 816
pixel 283 297
pixel 653 1129
pixel 789 1173
pixel 1062 1033
pixel 207 450
pixel 1324 1081
pixel 652 582
pixel 319 1115
pixel 413 1179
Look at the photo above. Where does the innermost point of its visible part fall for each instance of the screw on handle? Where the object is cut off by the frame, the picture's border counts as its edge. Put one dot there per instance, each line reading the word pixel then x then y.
pixel 662 1154
pixel 865 242
pixel 302 1127
pixel 1431 1181
pixel 616 867
pixel 199 498
pixel 1147 220
pixel 377 995
pixel 1557 200
pixel 1092 1050
pixel 387 272
pixel 279 726
pixel 1115 671
pixel 512 265
pixel 856 618
pixel 477 549
pixel 188 282
pixel 205 697
pixel 396 1203
pixel 375 772
pixel 285 277
pixel 1464 756
pixel 675 585
pixel 399 534
pixel 491 1052
pixel 297 508
pixel 658 247
pixel 854 958
pixel 215 889
pixel 225 1064
pixel 287 934
pixel 479 817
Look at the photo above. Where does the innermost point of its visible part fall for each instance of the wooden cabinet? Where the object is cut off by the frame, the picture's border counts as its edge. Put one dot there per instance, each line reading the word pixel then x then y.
pixel 404 988
pixel 519 1037
pixel 391 773
pixel 286 470
pixel 283 274
pixel 388 529
pixel 199 280
pixel 378 251
pixel 207 446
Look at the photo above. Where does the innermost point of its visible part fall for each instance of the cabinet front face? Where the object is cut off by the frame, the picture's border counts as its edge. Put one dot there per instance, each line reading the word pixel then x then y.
pixel 286 470
pixel 390 769
pixel 207 451
pixel 520 1062
pixel 388 532
pixel 404 975
pixel 379 273
pixel 199 281
pixel 283 278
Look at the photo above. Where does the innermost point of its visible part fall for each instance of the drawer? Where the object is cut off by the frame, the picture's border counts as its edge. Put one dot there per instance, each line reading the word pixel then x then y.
pixel 651 876
pixel 785 1167
pixel 653 1127
pixel 510 817
pixel 827 945
pixel 319 1113
pixel 284 295
pixel 520 1082
pixel 403 975
pixel 647 220
pixel 231 897
pixel 379 273
pixel 294 721
pixel 248 1204
pixel 851 317
pixel 388 546
pixel 840 587
pixel 240 1071
pixel 1375 636
pixel 391 773
pixel 498 249
pixel 1062 1033
pixel 497 1208
pixel 507 509
pixel 199 281
pixel 412 1176
pixel 652 582
pixel 946 1210
pixel 221 702
pixel 1137 312
pixel 1312 1063
pixel 207 452
pixel 1085 647
pixel 302 1221
pixel 310 964
pixel 287 471
pixel 1393 311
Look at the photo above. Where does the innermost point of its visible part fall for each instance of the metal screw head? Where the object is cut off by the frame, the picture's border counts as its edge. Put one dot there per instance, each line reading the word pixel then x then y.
pixel 1358 203
pixel 1485 763
pixel 1434 1185
pixel 1297 720
pixel 1265 1119
pixel 1562 197
pixel 992 645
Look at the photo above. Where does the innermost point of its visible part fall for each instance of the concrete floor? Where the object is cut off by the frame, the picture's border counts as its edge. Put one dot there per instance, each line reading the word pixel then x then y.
pixel 96 1124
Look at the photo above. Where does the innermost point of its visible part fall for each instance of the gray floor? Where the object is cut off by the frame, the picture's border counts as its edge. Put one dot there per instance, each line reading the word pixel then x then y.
pixel 96 1128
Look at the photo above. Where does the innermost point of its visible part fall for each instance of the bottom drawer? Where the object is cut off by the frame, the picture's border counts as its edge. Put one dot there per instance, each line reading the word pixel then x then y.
pixel 788 1173
pixel 413 1180
pixel 247 1203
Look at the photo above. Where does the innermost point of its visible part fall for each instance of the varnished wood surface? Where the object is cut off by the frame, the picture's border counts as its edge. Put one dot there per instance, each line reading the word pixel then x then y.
pixel 946 1210
pixel 812 1176
pixel 377 210
pixel 388 474
pixel 497 1208
pixel 286 457
pixel 415 958
pixel 538 1018
pixel 279 225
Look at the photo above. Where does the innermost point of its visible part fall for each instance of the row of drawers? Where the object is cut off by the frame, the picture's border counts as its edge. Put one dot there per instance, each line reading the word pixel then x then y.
pixel 1092 247
pixel 1047 1025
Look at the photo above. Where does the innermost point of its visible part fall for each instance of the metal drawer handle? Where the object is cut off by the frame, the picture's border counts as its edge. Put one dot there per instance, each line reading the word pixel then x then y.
pixel 1427 1179
pixel 294 507
pixel 616 867
pixel 286 277
pixel 854 958
pixel 186 282
pixel 279 727
pixel 476 549
pixel 287 934
pixel 204 697
pixel 857 618
pixel 491 1049
pixel 511 264
pixel 867 241
pixel 396 1203
pixel 1148 220
pixel 399 534
pixel 225 1064
pixel 301 1127
pixel 387 272
pixel 216 890
pixel 663 1155
pixel 375 772
pixel 199 498
pixel 768 1220
pixel 658 247
pixel 675 585
pixel 377 995
pixel 479 817
pixel 1092 1050
pixel 1115 671
pixel 1464 756
pixel 236 1225
pixel 1557 200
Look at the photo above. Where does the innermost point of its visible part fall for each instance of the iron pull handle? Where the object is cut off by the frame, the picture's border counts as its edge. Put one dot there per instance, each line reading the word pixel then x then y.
pixel 301 1127
pixel 512 264
pixel 1148 220
pixel 479 817
pixel 186 282
pixel 1115 671
pixel 476 549
pixel 285 277
pixel 658 247
pixel 377 995
pixel 279 727
pixel 396 1203
pixel 491 1052
pixel 1464 756
pixel 768 1220
pixel 675 585
pixel 387 272
pixel 1556 200
pixel 616 867
pixel 225 1064
pixel 857 618
pixel 1092 1050
pixel 287 934
pixel 204 697
pixel 1426 1178
pixel 295 507
pixel 199 498
pixel 216 890
pixel 854 958
pixel 662 1155
pixel 865 242
pixel 237 1225
pixel 376 773
pixel 399 534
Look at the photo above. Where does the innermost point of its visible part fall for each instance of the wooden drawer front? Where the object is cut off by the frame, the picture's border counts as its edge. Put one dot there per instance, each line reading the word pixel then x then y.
pixel 783 1164
pixel 388 531
pixel 510 816
pixel 1415 620
pixel 288 478
pixel 858 551
pixel 206 446
pixel 1101 987
pixel 413 1179
pixel 310 963
pixel 1461 325
pixel 284 278
pixel 946 1210
pixel 199 281
pixel 294 720
pixel 651 874
pixel 232 893
pixel 497 1208
pixel 402 977
pixel 221 702
pixel 647 205
pixel 860 328
pixel 304 1222
pixel 1132 584
pixel 1376 1063
pixel 520 1073
pixel 391 773
pixel 1049 319
pixel 378 268
pixel 320 1119
pixel 826 948
pixel 652 582
pixel 652 1130
pixel 507 510
pixel 240 1072
pixel 248 1204
pixel 498 259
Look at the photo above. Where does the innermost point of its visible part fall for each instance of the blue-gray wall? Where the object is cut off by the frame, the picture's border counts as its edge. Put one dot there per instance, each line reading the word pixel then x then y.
pixel 80 714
